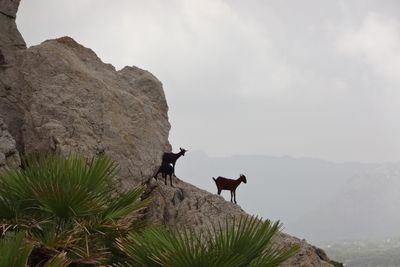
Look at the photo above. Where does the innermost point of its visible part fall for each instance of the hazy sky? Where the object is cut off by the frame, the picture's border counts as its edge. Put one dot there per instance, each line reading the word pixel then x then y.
pixel 302 78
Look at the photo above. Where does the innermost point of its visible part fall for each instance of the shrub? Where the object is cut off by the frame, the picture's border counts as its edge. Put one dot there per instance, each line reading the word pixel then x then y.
pixel 246 242
pixel 68 206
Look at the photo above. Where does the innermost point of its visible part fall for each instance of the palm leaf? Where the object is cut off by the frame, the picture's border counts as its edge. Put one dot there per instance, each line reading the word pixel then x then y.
pixel 68 205
pixel 243 242
pixel 58 261
pixel 14 251
pixel 126 204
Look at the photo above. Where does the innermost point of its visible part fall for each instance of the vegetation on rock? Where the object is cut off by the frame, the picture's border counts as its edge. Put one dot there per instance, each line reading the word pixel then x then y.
pixel 58 211
pixel 69 206
pixel 246 242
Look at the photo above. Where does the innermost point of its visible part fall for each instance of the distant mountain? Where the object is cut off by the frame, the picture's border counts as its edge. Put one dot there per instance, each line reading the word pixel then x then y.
pixel 279 188
pixel 362 253
pixel 366 208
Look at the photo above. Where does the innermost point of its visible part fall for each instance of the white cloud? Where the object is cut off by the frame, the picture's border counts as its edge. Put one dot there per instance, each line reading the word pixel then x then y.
pixel 378 40
pixel 266 73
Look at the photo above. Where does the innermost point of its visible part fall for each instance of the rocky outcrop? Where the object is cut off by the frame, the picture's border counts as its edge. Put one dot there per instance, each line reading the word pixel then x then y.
pixel 185 204
pixel 10 38
pixel 59 96
pixel 11 42
pixel 78 103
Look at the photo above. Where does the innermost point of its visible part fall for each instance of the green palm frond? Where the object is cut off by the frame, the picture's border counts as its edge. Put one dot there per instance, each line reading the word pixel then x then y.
pixel 72 187
pixel 63 187
pixel 248 240
pixel 14 251
pixel 126 203
pixel 7 208
pixel 243 242
pixel 68 205
pixel 58 261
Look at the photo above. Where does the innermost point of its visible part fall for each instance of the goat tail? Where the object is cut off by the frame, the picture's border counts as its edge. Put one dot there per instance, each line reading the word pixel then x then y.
pixel 215 180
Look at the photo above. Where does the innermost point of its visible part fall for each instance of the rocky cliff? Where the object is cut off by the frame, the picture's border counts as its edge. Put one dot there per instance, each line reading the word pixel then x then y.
pixel 78 103
pixel 11 42
pixel 59 96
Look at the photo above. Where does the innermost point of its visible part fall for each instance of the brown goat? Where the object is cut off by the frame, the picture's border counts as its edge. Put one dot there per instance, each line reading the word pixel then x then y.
pixel 229 184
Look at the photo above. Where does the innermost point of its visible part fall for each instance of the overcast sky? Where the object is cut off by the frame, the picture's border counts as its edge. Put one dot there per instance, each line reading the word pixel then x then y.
pixel 302 78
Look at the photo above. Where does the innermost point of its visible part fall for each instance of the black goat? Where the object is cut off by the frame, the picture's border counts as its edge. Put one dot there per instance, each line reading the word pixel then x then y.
pixel 165 170
pixel 171 158
pixel 229 184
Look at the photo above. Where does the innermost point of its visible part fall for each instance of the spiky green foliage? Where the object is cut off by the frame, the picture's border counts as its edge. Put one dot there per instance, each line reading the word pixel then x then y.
pixel 69 212
pixel 58 261
pixel 14 251
pixel 246 242
pixel 67 206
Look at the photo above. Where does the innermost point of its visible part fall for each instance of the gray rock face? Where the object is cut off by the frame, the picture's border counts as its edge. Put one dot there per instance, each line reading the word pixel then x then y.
pixel 10 37
pixel 9 7
pixel 11 42
pixel 79 104
pixel 59 96
pixel 9 155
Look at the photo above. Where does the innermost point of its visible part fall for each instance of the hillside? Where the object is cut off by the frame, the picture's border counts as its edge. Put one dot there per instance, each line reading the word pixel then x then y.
pixel 364 208
pixel 362 253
